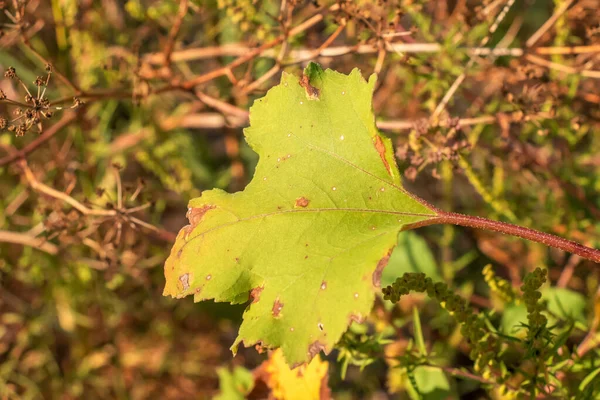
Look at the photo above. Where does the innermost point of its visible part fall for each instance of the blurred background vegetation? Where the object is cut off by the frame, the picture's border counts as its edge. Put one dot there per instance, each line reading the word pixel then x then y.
pixel 114 113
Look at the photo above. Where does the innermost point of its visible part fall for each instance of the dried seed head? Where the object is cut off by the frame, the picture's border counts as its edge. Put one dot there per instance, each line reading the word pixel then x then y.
pixel 21 129
pixel 10 73
pixel 77 102
pixel 39 81
pixel 29 98
pixel 49 68
pixel 2 95
pixel 3 122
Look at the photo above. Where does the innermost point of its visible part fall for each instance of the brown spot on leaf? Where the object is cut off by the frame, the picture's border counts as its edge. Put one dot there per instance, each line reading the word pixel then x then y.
pixel 380 147
pixel 379 269
pixel 277 307
pixel 185 281
pixel 255 294
pixel 314 348
pixel 195 215
pixel 302 202
pixel 312 93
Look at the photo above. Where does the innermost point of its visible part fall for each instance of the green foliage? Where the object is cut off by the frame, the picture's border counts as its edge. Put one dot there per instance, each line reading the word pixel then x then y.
pixel 490 350
pixel 234 385
pixel 484 347
pixel 308 247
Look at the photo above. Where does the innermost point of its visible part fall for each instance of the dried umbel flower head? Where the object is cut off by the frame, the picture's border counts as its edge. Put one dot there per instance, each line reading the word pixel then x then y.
pixel 10 73
pixel 39 81
pixel 36 105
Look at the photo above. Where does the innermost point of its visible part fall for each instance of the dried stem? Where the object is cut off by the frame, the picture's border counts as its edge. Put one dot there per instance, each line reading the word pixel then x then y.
pixel 533 39
pixel 28 240
pixel 183 7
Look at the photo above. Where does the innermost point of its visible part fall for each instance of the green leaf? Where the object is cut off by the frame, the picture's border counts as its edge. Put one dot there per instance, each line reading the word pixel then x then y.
pixel 562 303
pixel 308 238
pixel 432 384
pixel 234 385
pixel 565 304
pixel 513 320
pixel 412 254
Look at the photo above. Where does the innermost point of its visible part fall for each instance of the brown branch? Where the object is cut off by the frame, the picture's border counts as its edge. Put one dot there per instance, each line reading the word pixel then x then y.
pixel 562 68
pixel 253 53
pixel 319 51
pixel 183 7
pixel 222 106
pixel 42 188
pixel 43 138
pixel 302 54
pixel 27 240
pixel 47 190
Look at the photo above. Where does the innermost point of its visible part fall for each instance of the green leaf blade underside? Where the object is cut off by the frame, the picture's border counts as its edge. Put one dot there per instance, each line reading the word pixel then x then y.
pixel 307 239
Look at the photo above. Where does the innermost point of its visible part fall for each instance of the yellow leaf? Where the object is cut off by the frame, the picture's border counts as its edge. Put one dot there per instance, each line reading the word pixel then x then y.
pixel 308 381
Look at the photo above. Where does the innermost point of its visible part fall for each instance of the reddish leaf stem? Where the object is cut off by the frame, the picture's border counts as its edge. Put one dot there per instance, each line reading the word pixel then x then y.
pixel 513 230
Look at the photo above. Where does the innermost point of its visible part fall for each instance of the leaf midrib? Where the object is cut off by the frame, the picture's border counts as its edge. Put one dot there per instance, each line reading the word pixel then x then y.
pixel 312 210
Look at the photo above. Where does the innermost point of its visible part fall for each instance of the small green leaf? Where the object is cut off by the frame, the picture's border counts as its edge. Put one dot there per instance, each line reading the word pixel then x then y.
pixel 588 379
pixel 513 319
pixel 412 254
pixel 565 304
pixel 433 384
pixel 234 385
pixel 308 238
